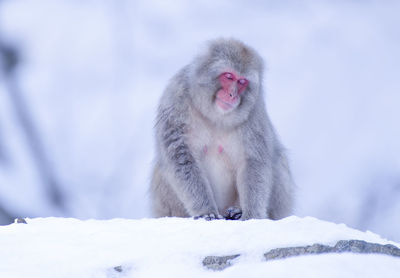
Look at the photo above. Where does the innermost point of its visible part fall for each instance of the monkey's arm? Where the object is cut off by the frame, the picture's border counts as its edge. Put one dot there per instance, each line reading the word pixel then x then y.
pixel 254 187
pixel 255 176
pixel 188 181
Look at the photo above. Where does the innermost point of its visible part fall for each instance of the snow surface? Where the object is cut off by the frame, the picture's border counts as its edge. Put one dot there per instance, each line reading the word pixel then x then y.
pixel 175 247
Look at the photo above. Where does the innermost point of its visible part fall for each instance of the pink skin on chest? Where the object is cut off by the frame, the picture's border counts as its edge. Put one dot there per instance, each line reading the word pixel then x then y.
pixel 228 97
pixel 220 149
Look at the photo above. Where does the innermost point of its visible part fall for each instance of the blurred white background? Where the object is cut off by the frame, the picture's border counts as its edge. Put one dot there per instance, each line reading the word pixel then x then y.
pixel 80 83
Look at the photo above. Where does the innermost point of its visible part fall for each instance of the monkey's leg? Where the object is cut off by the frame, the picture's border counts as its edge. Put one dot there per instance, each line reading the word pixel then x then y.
pixel 281 199
pixel 164 201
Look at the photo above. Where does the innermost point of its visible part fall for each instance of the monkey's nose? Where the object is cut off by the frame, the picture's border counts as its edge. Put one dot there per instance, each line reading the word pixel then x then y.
pixel 233 94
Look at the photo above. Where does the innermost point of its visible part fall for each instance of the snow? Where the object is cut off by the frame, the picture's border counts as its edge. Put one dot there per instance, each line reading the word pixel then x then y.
pixel 175 247
pixel 327 266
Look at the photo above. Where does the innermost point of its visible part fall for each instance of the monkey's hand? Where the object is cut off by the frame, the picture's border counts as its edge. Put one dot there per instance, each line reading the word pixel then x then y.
pixel 209 216
pixel 233 213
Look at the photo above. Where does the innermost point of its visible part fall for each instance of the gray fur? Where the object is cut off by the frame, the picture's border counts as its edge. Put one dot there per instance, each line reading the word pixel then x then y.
pixel 254 170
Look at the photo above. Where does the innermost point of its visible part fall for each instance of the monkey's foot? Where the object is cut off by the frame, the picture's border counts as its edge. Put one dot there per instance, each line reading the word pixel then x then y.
pixel 209 216
pixel 233 213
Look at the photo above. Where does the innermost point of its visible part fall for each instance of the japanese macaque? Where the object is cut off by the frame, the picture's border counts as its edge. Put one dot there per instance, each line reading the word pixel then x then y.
pixel 217 154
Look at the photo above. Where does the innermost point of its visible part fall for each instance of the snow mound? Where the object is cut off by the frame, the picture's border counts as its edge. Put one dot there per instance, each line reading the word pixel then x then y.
pixel 176 247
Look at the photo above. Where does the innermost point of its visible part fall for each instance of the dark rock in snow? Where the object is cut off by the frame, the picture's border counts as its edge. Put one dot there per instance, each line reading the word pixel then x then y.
pixel 353 246
pixel 218 262
pixel 360 246
pixel 281 253
pixel 20 221
pixel 119 271
pixel 342 246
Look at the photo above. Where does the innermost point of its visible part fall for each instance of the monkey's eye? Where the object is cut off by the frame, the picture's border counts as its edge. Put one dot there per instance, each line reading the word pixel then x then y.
pixel 242 81
pixel 229 76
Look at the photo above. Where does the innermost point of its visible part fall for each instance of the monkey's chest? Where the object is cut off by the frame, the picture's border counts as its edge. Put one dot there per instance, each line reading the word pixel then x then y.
pixel 221 173
pixel 219 156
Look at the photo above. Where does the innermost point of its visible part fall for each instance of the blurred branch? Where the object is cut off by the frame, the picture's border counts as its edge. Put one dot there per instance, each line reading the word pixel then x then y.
pixel 10 59
pixel 3 155
pixel 6 217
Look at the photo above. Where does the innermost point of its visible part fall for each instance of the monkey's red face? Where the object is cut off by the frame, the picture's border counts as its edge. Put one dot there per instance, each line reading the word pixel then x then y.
pixel 233 85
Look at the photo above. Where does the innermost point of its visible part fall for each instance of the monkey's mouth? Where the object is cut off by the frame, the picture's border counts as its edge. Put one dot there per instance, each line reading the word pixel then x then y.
pixel 226 106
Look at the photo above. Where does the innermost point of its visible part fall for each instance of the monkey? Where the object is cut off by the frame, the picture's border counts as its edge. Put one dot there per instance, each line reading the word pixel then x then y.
pixel 217 154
